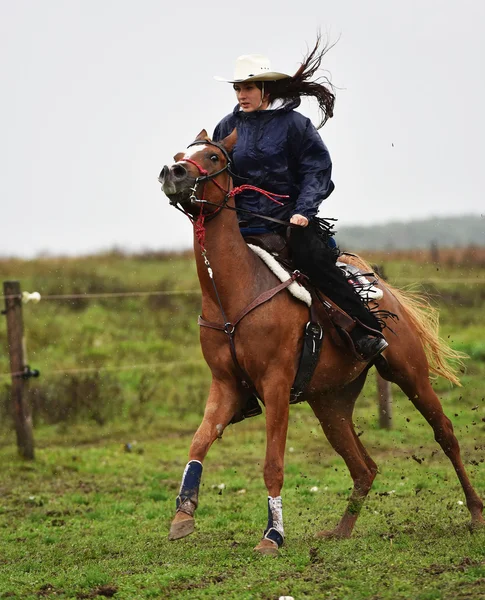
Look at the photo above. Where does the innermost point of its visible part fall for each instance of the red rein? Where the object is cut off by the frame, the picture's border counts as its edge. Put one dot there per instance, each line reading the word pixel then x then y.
pixel 269 195
pixel 198 224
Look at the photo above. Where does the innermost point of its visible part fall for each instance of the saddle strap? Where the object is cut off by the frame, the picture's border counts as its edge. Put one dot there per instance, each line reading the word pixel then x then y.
pixel 312 344
pixel 336 314
pixel 329 326
pixel 261 299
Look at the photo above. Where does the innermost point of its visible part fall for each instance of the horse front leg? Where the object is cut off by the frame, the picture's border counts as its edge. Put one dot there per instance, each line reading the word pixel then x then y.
pixel 222 403
pixel 277 411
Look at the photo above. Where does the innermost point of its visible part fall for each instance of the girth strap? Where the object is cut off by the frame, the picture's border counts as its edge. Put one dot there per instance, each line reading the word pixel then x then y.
pixel 310 353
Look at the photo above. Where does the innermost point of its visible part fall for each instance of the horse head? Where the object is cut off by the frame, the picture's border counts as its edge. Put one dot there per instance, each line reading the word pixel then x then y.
pixel 204 161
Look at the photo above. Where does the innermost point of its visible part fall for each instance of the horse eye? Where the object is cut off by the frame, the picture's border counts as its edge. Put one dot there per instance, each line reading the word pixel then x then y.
pixel 214 158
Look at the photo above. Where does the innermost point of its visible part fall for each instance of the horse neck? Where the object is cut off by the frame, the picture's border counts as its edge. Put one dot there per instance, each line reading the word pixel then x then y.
pixel 233 264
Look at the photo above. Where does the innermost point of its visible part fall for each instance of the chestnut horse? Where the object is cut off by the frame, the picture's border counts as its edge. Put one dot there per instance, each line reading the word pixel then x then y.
pixel 268 344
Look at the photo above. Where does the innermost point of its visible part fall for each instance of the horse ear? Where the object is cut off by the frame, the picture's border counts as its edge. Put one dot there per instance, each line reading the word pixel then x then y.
pixel 203 135
pixel 230 141
pixel 179 156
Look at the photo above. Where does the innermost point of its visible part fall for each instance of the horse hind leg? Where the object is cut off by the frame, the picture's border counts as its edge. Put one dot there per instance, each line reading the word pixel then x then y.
pixel 427 402
pixel 335 416
pixel 407 366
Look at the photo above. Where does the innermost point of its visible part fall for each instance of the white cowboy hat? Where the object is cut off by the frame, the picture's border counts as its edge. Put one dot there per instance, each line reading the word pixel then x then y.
pixel 253 67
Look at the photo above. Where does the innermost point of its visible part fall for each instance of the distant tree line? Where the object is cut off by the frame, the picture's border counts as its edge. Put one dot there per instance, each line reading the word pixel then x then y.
pixel 443 232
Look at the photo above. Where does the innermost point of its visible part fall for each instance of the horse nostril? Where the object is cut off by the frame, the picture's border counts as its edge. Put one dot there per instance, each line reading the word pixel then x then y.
pixel 179 171
pixel 163 174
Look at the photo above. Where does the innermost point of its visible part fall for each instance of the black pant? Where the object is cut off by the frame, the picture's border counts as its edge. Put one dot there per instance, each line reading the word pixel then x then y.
pixel 312 256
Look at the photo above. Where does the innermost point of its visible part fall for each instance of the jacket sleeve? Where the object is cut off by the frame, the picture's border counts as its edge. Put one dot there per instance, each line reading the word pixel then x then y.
pixel 314 169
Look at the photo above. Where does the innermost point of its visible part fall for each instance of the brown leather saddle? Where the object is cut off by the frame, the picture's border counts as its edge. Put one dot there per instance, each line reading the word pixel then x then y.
pixel 335 321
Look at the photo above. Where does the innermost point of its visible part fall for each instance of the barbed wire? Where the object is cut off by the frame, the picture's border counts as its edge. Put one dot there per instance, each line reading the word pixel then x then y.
pixel 167 365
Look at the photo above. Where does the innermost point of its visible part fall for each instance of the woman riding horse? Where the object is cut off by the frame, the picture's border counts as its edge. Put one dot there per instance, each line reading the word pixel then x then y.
pixel 280 150
pixel 238 290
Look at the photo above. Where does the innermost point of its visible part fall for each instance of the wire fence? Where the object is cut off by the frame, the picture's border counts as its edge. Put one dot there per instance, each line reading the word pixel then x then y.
pixel 148 366
pixel 25 296
pixel 429 280
pixel 442 280
pixel 108 295
pixel 169 365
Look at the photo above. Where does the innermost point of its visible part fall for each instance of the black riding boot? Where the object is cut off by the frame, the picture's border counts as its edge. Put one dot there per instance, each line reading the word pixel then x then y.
pixel 312 256
pixel 367 346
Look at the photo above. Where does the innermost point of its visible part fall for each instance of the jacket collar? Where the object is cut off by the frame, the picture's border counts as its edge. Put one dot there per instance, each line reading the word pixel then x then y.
pixel 286 108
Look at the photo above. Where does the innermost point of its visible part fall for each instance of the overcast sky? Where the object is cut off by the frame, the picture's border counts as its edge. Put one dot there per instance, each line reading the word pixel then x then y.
pixel 98 94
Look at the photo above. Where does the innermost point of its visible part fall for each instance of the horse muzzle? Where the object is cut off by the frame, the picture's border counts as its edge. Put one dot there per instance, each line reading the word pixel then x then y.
pixel 176 183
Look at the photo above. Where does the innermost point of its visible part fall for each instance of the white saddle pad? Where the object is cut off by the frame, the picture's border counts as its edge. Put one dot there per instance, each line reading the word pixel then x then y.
pixel 295 289
pixel 364 287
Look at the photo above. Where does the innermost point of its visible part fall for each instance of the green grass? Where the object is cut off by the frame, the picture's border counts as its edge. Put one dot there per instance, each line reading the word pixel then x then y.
pixel 90 519
pixel 85 516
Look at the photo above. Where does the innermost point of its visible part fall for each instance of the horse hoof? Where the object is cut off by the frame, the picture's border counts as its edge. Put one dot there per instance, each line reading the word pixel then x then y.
pixel 182 526
pixel 267 547
pixel 477 525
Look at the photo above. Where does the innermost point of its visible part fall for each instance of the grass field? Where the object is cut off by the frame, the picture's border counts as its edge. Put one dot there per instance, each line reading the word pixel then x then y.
pixel 89 517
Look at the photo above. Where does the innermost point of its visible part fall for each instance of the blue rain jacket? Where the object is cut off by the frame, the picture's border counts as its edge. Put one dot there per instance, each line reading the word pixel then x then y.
pixel 282 152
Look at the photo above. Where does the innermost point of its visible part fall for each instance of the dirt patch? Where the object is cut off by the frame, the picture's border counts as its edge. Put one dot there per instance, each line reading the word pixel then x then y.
pixel 202 583
pixel 460 567
pixel 108 591
pixel 48 590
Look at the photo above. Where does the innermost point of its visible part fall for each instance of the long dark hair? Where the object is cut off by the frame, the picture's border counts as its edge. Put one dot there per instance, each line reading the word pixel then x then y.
pixel 301 83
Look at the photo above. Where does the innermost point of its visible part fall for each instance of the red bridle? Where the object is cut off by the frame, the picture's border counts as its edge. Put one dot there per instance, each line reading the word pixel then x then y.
pixel 199 223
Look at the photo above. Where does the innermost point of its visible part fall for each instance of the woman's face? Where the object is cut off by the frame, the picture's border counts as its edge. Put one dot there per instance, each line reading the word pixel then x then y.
pixel 250 97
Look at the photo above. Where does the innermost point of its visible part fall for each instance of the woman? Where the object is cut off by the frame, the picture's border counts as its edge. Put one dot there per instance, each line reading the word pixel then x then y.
pixel 279 150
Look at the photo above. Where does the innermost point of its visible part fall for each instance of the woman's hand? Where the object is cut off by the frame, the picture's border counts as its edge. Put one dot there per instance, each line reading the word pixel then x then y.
pixel 299 220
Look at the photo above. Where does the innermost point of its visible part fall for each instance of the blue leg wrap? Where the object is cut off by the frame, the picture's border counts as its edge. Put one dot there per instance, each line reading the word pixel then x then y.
pixel 274 531
pixel 189 488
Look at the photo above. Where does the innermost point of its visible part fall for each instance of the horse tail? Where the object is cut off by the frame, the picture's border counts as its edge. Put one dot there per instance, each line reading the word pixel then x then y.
pixel 442 359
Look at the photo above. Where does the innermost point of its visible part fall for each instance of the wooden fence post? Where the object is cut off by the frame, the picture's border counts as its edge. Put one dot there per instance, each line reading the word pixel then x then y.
pixel 15 337
pixel 385 402
pixel 434 252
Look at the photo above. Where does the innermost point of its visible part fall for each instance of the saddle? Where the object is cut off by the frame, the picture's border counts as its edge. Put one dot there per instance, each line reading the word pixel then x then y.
pixel 325 316
pixel 335 321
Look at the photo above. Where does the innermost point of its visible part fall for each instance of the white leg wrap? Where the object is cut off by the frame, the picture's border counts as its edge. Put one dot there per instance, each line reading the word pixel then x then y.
pixel 275 506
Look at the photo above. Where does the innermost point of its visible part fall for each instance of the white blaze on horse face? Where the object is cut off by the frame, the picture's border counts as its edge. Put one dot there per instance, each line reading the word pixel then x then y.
pixel 189 153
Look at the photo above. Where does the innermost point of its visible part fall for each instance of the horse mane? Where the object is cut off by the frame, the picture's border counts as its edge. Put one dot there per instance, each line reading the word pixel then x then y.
pixel 443 360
